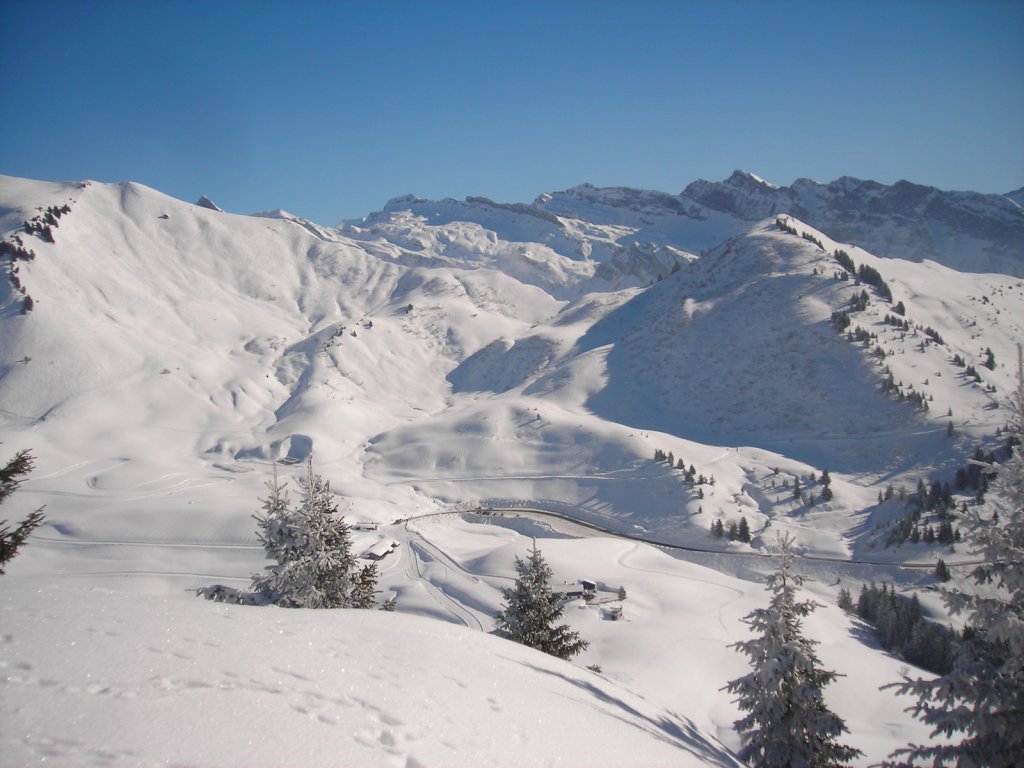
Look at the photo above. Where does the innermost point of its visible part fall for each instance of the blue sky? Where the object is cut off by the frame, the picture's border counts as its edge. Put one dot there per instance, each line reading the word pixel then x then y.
pixel 328 109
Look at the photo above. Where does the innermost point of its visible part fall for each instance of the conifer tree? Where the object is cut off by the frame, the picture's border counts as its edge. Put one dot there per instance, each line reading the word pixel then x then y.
pixel 531 611
pixel 364 588
pixel 979 705
pixel 787 723
pixel 311 546
pixel 11 476
pixel 743 531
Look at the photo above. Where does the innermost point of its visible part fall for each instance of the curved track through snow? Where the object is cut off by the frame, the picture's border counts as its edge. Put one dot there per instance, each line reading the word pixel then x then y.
pixel 420 552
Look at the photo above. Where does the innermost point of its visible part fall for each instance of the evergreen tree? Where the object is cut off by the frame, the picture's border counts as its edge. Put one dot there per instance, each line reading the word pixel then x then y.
pixel 311 546
pixel 11 476
pixel 788 723
pixel 364 588
pixel 743 532
pixel 531 611
pixel 942 571
pixel 846 600
pixel 978 706
pixel 826 485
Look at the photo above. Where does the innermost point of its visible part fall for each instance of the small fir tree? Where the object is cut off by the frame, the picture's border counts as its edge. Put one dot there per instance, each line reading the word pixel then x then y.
pixel 312 548
pixel 531 611
pixel 846 600
pixel 743 532
pixel 787 722
pixel 364 588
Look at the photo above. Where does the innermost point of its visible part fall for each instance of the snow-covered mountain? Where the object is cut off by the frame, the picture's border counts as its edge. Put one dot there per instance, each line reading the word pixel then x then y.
pixel 966 231
pixel 157 357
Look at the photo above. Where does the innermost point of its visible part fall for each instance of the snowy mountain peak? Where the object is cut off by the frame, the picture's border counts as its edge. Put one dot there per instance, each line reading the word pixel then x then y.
pixel 205 202
pixel 741 178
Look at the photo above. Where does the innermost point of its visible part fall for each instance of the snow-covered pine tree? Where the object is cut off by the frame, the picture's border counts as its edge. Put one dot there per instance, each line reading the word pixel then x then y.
pixel 531 611
pixel 788 724
pixel 364 587
pixel 11 475
pixel 979 705
pixel 311 546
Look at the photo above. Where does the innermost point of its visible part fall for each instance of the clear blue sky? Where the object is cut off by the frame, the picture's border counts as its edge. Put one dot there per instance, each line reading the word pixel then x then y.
pixel 328 109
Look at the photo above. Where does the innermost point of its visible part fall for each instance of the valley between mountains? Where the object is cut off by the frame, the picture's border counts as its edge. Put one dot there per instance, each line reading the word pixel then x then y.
pixel 594 371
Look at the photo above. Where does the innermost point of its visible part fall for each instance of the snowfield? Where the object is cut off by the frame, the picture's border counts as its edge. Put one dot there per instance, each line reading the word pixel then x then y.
pixel 441 360
pixel 209 684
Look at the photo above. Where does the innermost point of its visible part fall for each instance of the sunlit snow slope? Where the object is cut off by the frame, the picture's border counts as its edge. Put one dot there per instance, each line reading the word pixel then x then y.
pixel 442 356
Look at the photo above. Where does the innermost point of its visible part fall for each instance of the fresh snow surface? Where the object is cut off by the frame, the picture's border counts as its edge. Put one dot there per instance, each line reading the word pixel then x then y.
pixel 434 359
pixel 99 676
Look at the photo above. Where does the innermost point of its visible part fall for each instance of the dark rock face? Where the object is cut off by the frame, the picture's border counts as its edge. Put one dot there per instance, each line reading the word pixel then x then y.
pixel 205 202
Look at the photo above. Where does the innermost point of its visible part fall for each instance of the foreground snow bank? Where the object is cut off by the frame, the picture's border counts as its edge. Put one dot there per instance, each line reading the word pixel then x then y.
pixel 96 677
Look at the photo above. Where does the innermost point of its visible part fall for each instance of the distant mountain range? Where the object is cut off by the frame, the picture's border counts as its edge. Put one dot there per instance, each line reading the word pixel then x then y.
pixel 967 231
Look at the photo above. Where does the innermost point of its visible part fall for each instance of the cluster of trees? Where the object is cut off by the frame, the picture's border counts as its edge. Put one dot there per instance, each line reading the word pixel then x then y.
pixel 902 628
pixel 974 475
pixel 937 499
pixel 861 335
pixel 311 547
pixel 14 250
pixel 41 224
pixel 872 277
pixel 812 239
pixel 891 386
pixel 737 531
pixel 840 320
pixel 866 274
pixel 789 229
pixel 970 370
pixel 690 473
pixel 531 611
pixel 859 302
pixel 12 474
pixel 975 706
pixel 845 261
pixel 934 335
pixel 897 321
pixel 785 226
pixel 990 359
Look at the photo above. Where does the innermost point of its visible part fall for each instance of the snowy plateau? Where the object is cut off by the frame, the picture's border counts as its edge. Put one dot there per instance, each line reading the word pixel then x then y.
pixel 472 377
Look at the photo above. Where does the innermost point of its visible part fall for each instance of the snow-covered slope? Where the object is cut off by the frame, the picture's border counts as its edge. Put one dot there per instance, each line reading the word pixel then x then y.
pixel 195 683
pixel 567 256
pixel 445 355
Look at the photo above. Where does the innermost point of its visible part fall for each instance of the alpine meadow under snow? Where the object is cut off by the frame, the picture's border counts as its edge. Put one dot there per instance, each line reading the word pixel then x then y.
pixel 617 379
